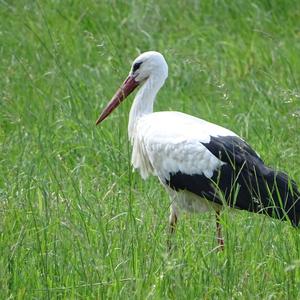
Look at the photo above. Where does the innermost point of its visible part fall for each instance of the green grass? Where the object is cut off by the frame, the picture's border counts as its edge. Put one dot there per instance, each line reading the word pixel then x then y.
pixel 75 222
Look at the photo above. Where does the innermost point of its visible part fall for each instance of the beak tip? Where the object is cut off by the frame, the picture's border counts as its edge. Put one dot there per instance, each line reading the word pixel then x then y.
pixel 100 119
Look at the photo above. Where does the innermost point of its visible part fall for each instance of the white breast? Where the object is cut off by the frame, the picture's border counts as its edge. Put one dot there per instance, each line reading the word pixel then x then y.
pixel 168 142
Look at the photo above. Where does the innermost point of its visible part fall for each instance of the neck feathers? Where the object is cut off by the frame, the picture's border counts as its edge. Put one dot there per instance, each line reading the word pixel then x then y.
pixel 142 104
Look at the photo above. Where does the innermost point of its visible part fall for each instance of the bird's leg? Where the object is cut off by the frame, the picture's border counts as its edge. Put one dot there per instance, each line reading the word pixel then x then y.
pixel 219 231
pixel 172 224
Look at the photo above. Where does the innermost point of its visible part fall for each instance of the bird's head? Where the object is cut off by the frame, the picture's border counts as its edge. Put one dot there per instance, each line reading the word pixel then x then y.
pixel 148 64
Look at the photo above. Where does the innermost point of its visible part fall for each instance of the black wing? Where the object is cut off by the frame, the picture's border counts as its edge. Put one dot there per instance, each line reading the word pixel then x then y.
pixel 243 182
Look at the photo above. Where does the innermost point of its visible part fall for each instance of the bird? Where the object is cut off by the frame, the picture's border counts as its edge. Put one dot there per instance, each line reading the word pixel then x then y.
pixel 203 166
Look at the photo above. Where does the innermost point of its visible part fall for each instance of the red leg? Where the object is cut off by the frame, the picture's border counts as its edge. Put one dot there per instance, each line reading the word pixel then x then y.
pixel 173 222
pixel 219 232
pixel 173 218
pixel 172 225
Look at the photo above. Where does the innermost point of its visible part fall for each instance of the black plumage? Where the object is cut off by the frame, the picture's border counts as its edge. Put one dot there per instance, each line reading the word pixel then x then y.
pixel 243 182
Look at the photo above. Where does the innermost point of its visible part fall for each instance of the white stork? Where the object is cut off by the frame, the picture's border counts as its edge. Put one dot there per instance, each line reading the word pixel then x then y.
pixel 202 166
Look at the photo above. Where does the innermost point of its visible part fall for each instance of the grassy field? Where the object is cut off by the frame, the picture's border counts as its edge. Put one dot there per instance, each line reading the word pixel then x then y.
pixel 75 221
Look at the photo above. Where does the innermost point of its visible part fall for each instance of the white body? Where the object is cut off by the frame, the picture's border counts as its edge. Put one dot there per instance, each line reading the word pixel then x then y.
pixel 169 142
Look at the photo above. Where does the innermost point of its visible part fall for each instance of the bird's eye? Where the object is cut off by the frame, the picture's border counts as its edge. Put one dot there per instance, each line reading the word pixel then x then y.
pixel 136 66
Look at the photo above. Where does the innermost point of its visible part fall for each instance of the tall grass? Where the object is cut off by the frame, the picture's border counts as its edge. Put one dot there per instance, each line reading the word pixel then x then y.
pixel 75 221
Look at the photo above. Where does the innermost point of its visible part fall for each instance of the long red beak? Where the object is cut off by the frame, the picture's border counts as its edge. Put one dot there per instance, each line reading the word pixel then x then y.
pixel 126 89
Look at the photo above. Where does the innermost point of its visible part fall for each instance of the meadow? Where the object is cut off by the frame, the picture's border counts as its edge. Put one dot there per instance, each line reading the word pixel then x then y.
pixel 75 221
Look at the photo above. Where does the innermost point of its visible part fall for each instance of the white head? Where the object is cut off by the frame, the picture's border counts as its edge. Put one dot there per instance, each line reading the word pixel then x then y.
pixel 149 65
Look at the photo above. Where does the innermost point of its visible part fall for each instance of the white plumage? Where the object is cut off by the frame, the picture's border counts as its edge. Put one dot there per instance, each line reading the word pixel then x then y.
pixel 172 142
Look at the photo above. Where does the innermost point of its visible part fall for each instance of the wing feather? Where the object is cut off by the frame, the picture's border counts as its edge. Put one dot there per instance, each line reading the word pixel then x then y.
pixel 174 142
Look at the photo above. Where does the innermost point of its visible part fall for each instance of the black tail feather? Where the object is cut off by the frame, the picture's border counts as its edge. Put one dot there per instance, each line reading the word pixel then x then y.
pixel 280 196
pixel 262 190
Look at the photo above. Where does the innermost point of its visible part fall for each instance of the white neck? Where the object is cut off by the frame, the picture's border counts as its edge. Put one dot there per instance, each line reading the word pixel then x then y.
pixel 143 103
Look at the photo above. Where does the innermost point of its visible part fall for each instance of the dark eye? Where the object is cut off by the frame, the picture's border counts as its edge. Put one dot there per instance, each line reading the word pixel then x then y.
pixel 136 66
